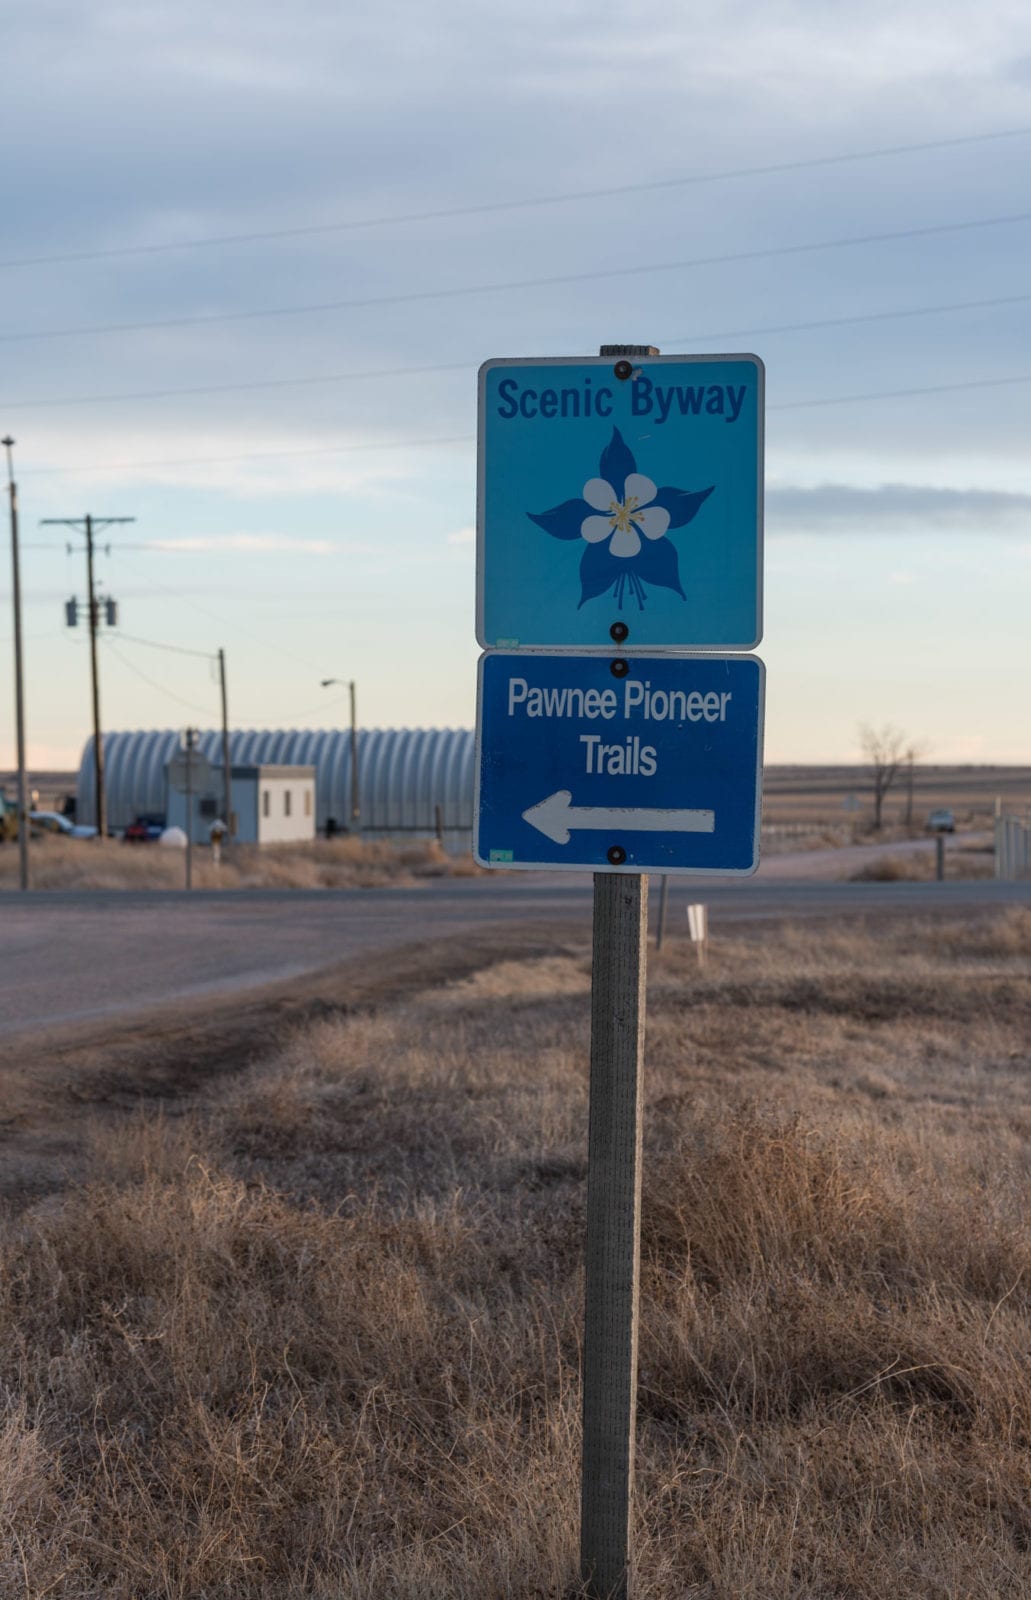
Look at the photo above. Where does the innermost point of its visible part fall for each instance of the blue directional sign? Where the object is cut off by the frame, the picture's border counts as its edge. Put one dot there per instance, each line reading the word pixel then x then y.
pixel 622 495
pixel 635 764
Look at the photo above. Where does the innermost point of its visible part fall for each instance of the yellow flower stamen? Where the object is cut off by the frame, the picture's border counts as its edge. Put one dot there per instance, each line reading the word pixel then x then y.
pixel 620 515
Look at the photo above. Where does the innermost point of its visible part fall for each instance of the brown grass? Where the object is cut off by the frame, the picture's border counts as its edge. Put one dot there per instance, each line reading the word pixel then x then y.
pixel 919 866
pixel 317 1334
pixel 346 863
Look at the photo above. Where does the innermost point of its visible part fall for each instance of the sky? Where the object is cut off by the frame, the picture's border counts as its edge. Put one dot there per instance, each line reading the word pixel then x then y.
pixel 253 256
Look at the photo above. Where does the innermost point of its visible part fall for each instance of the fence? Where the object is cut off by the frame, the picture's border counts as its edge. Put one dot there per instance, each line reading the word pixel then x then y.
pixel 1012 848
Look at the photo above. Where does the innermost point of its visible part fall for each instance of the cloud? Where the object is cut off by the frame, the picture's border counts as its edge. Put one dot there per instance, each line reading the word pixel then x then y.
pixel 462 536
pixel 907 507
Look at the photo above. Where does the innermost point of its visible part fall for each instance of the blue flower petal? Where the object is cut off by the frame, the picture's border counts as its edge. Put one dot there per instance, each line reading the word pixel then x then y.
pixel 682 504
pixel 617 463
pixel 564 521
pixel 598 571
pixel 658 564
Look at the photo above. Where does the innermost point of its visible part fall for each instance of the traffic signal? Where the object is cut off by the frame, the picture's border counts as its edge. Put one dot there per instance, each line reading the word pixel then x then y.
pixel 111 608
pixel 71 613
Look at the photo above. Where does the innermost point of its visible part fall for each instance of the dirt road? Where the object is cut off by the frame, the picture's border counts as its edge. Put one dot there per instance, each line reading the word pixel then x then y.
pixel 72 958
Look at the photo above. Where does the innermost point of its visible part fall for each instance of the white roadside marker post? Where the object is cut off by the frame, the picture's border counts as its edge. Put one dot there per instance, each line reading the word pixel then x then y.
pixel 660 932
pixel 698 926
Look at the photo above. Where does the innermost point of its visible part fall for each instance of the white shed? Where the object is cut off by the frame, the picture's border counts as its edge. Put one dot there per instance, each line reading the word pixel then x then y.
pixel 271 805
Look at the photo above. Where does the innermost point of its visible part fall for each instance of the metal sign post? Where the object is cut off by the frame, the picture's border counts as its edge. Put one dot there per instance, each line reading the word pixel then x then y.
pixel 190 770
pixel 603 746
pixel 188 752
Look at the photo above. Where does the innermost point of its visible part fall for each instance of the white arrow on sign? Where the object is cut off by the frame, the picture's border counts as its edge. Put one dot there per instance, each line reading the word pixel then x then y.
pixel 557 816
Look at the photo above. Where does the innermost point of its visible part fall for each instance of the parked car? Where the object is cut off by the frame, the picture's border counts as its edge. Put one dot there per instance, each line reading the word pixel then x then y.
pixel 941 821
pixel 145 829
pixel 8 818
pixel 43 822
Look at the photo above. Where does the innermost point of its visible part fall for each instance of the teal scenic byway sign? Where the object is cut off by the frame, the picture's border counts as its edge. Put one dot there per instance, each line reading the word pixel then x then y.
pixel 645 763
pixel 620 501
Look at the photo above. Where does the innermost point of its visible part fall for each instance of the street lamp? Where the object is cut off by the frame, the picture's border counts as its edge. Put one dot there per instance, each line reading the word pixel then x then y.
pixel 356 812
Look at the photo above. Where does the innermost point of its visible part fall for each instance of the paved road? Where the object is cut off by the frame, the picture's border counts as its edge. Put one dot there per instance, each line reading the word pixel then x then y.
pixel 66 957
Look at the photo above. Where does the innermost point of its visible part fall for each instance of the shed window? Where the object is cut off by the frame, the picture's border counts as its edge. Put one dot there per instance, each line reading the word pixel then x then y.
pixel 307 802
pixel 266 803
pixel 286 802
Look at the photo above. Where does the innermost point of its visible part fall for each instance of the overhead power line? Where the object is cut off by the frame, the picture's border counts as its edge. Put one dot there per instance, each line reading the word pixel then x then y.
pixel 440 214
pixel 152 683
pixel 316 379
pixel 467 439
pixel 208 319
pixel 261 455
pixel 175 649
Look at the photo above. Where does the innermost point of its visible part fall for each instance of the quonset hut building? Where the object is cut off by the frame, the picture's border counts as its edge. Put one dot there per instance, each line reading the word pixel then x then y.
pixel 404 774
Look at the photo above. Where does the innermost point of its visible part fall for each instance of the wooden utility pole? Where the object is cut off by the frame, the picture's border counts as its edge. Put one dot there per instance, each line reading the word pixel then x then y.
pixel 356 806
pixel 98 743
pixel 89 525
pixel 19 683
pixel 227 771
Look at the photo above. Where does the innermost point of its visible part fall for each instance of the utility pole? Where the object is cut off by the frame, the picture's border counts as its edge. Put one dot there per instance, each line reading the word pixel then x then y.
pixel 227 773
pixel 356 810
pixel 19 692
pixel 88 524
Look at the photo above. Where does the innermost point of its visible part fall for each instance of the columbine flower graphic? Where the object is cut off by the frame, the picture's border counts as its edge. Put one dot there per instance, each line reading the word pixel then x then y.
pixel 623 518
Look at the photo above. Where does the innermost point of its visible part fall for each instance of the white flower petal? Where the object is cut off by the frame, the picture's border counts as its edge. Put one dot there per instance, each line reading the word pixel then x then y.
pixel 652 521
pixel 594 529
pixel 599 494
pixel 640 488
pixel 625 542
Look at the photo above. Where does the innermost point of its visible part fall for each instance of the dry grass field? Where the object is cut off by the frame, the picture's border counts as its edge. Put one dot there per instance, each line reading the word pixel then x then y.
pixel 296 1311
pixel 342 863
pixel 818 795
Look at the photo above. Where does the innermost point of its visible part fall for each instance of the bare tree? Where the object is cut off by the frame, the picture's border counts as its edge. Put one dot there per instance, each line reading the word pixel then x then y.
pixel 885 750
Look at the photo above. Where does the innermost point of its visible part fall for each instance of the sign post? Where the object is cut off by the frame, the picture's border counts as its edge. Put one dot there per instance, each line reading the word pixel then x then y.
pixel 618 973
pixel 603 747
pixel 188 769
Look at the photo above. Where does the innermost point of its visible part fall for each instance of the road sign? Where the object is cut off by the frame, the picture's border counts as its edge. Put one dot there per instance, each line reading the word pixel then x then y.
pixel 635 764
pixel 199 774
pixel 620 501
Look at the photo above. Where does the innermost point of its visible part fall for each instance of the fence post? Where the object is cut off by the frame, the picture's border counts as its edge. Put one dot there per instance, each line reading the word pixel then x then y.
pixel 660 932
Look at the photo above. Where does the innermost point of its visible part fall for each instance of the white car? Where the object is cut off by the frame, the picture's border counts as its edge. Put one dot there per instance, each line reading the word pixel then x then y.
pixel 53 822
